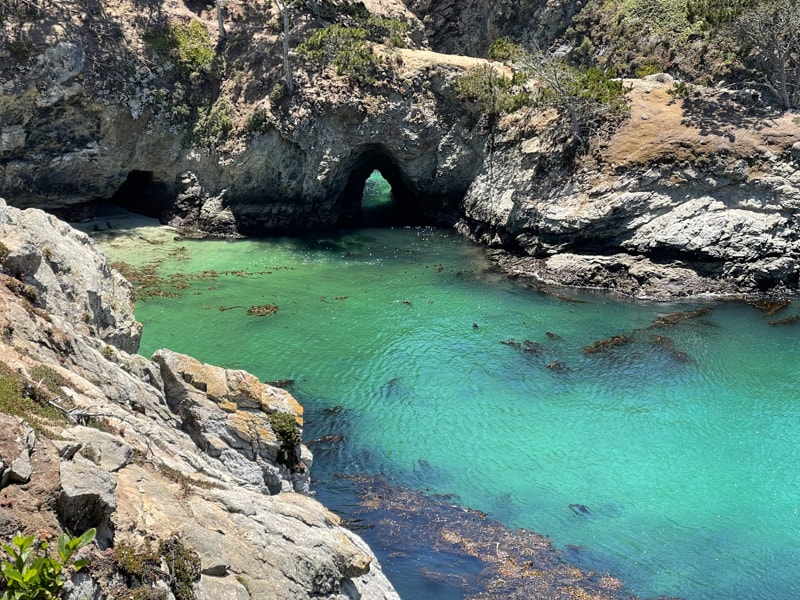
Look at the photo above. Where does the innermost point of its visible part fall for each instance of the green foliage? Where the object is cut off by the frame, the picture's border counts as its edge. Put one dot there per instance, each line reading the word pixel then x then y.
pixel 4 252
pixel 30 573
pixel 345 46
pixel 288 433
pixel 214 125
pixel 490 91
pixel 141 566
pixel 47 377
pixel 259 121
pixel 504 49
pixel 346 49
pixel 598 87
pixel 647 69
pixel 634 33
pixel 22 398
pixel 716 12
pixel 188 44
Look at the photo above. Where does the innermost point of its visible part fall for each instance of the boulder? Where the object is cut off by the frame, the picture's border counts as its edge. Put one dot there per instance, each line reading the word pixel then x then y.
pixel 87 500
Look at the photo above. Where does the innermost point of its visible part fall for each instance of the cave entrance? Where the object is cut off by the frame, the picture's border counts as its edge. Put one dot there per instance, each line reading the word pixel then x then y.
pixel 376 195
pixel 142 194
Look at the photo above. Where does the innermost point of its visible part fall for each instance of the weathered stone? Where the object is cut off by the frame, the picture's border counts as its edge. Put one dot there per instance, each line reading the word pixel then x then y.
pixel 21 469
pixel 87 500
pixel 220 588
pixel 67 450
pixel 110 452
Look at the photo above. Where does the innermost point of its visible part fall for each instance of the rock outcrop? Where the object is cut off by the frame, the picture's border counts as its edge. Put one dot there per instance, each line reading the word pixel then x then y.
pixel 284 163
pixel 151 451
pixel 675 203
pixel 470 27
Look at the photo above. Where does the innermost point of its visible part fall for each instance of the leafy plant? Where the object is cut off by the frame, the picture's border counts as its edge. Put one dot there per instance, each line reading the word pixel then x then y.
pixel 493 93
pixel 285 427
pixel 32 574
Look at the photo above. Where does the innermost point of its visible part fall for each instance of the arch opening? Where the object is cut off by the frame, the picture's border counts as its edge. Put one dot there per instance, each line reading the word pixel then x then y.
pixel 376 195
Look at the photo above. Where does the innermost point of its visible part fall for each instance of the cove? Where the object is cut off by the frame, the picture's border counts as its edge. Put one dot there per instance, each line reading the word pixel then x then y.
pixel 440 374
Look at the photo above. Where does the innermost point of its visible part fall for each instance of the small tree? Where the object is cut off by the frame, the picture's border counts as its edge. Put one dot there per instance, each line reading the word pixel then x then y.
pixel 767 33
pixel 588 97
pixel 769 36
pixel 284 7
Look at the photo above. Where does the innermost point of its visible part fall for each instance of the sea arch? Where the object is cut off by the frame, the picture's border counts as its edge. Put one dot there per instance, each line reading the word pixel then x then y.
pixel 406 206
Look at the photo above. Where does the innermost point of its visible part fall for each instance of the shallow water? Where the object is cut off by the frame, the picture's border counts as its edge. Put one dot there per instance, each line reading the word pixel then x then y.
pixel 680 445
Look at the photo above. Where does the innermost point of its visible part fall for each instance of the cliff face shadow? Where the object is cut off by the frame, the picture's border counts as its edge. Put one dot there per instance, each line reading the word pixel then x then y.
pixel 725 112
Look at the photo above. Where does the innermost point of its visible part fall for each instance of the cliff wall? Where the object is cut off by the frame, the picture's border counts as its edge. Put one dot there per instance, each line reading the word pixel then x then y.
pixel 696 192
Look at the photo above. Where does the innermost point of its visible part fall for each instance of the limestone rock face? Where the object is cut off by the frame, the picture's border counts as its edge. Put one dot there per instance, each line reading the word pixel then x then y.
pixel 176 447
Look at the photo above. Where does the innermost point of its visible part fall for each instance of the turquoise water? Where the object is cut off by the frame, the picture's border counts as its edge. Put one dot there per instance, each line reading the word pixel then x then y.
pixel 682 444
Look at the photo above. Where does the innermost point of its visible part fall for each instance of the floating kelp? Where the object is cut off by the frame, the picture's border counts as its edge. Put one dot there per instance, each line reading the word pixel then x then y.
pixel 670 319
pixel 527 346
pixel 785 321
pixel 770 308
pixel 512 564
pixel 262 310
pixel 557 366
pixel 608 343
pixel 668 345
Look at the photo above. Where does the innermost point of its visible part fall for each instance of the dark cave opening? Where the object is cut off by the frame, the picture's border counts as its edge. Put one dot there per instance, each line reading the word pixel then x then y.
pixel 367 203
pixel 142 194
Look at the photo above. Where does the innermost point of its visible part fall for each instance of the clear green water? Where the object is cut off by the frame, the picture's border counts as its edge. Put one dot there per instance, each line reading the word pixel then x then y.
pixel 688 467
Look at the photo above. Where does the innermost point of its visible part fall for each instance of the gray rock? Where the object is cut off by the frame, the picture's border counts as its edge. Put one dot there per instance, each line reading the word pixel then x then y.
pixel 87 499
pixel 21 469
pixel 220 588
pixel 110 452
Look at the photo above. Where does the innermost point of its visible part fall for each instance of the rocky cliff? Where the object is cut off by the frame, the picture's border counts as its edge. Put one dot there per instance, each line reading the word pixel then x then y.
pixel 696 192
pixel 174 462
pixel 690 195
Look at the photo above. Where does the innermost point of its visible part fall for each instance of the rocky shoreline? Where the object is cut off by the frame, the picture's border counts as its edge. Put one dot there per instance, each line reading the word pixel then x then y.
pixel 169 451
pixel 151 453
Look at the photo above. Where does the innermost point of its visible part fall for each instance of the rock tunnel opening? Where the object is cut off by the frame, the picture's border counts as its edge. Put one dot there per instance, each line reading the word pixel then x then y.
pixel 377 195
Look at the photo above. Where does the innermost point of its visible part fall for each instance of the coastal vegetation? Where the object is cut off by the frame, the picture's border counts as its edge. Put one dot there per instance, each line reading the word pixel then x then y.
pixel 30 572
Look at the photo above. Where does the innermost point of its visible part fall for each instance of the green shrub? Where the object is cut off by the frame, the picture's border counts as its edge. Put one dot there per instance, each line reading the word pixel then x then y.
pixel 346 50
pixel 20 398
pixel 490 91
pixel 259 121
pixel 30 573
pixel 215 125
pixel 142 566
pixel 188 44
pixel 288 433
pixel 504 49
pixel 4 252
